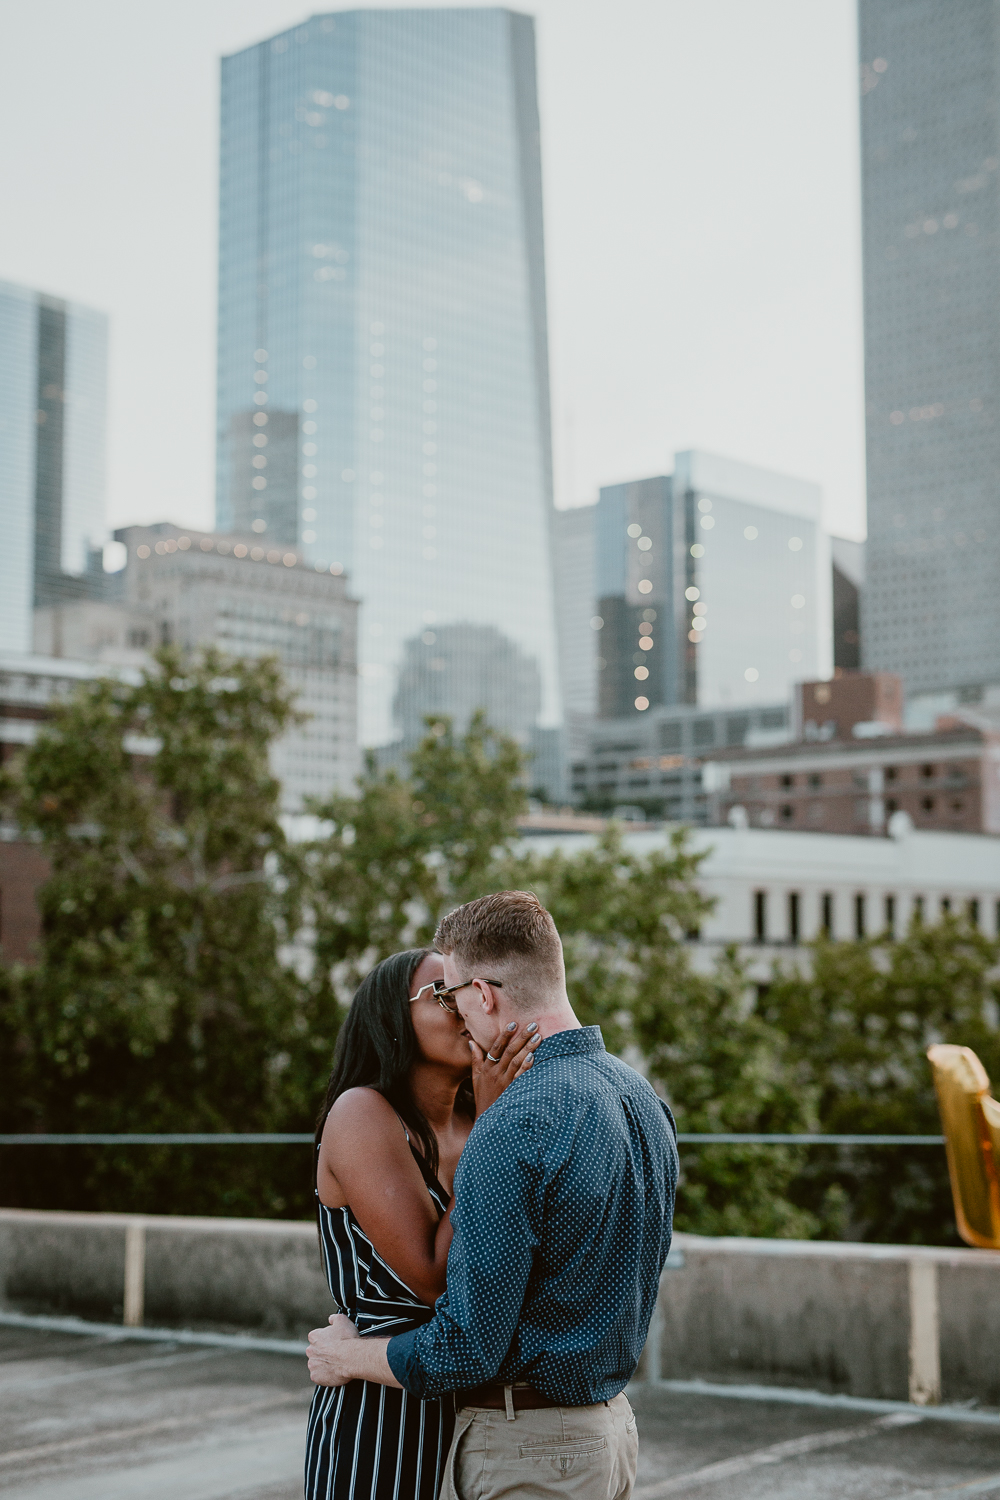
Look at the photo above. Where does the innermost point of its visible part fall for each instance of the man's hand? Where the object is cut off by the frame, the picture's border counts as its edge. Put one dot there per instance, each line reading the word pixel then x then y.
pixel 509 1055
pixel 339 1354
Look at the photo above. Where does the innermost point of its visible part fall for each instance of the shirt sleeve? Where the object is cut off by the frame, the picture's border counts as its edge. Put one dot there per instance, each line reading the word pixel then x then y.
pixel 498 1191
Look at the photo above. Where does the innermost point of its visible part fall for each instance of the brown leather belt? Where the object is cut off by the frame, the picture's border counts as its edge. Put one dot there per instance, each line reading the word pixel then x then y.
pixel 525 1397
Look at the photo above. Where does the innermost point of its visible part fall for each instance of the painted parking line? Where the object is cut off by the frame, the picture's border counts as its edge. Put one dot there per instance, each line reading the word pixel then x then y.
pixel 104 1372
pixel 238 1464
pixel 776 1453
pixel 148 1429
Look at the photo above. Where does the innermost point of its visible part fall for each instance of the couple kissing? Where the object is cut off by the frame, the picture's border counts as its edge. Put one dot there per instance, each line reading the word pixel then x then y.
pixel 495 1196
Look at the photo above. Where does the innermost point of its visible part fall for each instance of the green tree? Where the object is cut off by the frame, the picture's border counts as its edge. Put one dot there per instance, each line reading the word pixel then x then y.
pixel 160 1001
pixel 858 1026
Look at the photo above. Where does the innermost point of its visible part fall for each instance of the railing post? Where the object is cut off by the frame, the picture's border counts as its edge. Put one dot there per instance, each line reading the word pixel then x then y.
pixel 925 1334
pixel 135 1273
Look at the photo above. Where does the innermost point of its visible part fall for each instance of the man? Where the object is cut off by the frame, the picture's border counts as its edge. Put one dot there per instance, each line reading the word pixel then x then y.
pixel 563 1209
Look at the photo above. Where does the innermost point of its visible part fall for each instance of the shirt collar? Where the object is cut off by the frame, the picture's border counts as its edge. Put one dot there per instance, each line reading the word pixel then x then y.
pixel 571 1043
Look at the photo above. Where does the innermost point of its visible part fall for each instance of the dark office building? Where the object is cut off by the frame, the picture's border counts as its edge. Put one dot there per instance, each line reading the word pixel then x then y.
pixel 930 134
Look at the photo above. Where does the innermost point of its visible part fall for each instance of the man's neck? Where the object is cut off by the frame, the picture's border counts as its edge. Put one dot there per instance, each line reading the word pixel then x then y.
pixel 562 1019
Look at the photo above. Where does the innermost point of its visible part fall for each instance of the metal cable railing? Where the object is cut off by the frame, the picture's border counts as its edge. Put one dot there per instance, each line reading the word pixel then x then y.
pixel 686 1138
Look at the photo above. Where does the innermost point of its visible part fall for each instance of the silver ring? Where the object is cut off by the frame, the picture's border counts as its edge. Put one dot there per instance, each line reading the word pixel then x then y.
pixel 492 1058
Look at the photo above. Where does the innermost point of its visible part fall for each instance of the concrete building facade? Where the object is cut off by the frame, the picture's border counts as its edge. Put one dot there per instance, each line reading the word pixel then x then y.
pixel 198 589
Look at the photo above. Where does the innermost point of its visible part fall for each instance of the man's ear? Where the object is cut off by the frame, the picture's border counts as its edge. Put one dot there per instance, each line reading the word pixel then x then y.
pixel 486 996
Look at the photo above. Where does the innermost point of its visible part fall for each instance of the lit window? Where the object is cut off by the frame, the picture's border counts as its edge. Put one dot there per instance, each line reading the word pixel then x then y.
pixel 692 593
pixel 309 405
pixel 751 674
pixel 704 505
pixel 645 587
pixel 634 530
pixel 646 643
pixel 798 601
pixel 700 609
pixel 751 533
pixel 795 544
pixel 645 628
pixel 641 673
pixel 644 543
pixel 641 704
pixel 260 483
pixel 142 551
pixel 697 550
pixel 707 522
pixel 239 550
pixel 596 622
pixel 258 525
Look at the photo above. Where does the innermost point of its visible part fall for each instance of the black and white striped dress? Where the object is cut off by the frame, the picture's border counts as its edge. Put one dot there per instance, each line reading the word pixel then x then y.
pixel 367 1441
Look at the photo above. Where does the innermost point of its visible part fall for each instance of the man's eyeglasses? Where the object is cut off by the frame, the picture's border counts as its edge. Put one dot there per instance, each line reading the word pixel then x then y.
pixel 442 995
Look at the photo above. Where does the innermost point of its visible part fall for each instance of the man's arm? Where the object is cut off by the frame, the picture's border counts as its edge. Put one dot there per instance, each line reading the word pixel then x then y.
pixel 338 1354
pixel 497 1221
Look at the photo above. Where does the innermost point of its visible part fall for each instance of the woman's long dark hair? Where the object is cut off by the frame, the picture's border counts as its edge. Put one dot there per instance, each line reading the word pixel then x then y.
pixel 377 1047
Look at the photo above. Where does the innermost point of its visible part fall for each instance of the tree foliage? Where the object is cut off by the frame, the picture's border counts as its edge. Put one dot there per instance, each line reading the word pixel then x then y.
pixel 858 1025
pixel 193 969
pixel 159 1001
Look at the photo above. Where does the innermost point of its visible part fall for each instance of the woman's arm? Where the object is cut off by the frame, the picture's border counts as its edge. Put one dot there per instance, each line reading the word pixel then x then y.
pixel 365 1150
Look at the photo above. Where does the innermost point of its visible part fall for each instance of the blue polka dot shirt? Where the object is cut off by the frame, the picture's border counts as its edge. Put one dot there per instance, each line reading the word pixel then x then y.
pixel 564 1200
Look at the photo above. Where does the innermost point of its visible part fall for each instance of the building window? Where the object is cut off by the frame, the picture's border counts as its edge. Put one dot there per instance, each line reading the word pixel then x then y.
pixel 890 915
pixel 891 773
pixel 972 911
pixel 891 805
pixel 859 915
pixel 927 772
pixel 927 803
pixel 760 916
pixel 788 813
pixel 815 779
pixel 788 781
pixel 826 919
pixel 945 905
pixel 793 916
pixel 918 909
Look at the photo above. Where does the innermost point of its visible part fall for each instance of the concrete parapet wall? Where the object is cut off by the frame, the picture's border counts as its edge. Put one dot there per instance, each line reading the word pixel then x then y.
pixel 262 1275
pixel 893 1322
pixel 885 1321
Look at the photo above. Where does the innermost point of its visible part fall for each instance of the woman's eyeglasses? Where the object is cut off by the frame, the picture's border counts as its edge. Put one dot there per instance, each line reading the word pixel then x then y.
pixel 442 995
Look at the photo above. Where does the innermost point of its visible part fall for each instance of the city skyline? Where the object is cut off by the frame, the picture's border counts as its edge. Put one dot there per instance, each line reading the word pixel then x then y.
pixel 695 302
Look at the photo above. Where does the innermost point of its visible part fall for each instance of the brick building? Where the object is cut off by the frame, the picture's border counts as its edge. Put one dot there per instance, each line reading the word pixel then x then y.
pixel 948 780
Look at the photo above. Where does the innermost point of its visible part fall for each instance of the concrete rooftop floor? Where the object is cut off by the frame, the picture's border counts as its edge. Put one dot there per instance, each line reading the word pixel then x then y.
pixel 90 1418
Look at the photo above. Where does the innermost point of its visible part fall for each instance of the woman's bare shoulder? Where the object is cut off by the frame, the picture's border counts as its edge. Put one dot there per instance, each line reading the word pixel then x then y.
pixel 363 1108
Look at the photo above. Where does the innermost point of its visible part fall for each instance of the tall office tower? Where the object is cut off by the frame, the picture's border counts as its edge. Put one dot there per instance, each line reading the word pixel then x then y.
pixel 930 140
pixel 574 571
pixel 52 426
pixel 848 577
pixel 713 587
pixel 383 398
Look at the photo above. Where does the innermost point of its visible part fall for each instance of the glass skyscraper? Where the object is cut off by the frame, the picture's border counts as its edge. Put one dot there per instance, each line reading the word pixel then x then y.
pixel 713 588
pixel 53 376
pixel 383 397
pixel 930 135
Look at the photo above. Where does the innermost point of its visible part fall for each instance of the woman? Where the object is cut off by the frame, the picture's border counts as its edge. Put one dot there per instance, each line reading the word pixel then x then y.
pixel 406 1086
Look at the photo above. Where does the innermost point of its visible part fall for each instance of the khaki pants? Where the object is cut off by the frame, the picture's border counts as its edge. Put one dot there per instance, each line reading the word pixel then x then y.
pixel 578 1452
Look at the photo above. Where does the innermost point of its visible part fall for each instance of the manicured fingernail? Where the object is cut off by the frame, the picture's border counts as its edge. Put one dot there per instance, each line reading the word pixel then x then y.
pixel 513 1026
pixel 532 1026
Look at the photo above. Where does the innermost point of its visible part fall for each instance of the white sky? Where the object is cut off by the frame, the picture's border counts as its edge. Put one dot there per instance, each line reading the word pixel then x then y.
pixel 702 221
